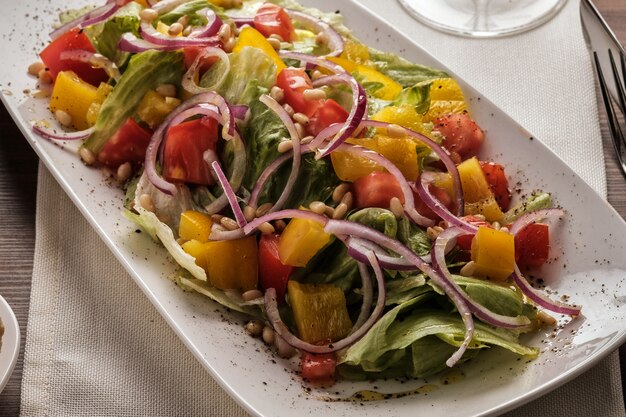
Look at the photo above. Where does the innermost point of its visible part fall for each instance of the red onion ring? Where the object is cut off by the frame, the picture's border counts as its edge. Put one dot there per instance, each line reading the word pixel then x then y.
pixel 189 82
pixel 297 156
pixel 271 309
pixel 315 25
pixel 90 18
pixel 368 295
pixel 130 43
pixel 358 248
pixel 541 299
pixel 94 59
pixel 49 133
pixel 229 193
pixel 203 37
pixel 313 61
pixel 534 217
pixel 212 26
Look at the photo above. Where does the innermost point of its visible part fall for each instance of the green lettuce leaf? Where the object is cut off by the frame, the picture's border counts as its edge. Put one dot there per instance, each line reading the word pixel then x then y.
pixel 413 236
pixel 145 71
pixel 189 9
pixel 377 218
pixel 536 201
pixel 404 72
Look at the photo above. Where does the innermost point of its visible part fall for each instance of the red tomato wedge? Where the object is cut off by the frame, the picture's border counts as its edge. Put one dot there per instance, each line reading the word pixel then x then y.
pixel 328 113
pixel 293 82
pixel 272 272
pixel 318 368
pixel 185 145
pixel 272 19
pixel 190 53
pixel 499 185
pixel 74 39
pixel 532 245
pixel 460 133
pixel 128 144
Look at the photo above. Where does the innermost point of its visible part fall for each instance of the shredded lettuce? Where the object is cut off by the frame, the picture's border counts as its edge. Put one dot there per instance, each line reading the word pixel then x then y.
pixel 536 201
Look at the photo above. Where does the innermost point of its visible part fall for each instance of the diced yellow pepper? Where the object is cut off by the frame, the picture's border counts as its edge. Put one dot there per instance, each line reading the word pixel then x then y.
pixel 319 311
pixel 355 52
pixel 390 88
pixel 493 253
pixel 94 109
pixel 478 196
pixel 229 264
pixel 227 4
pixel 195 225
pixel 253 38
pixel 154 108
pixel 401 151
pixel 74 96
pixel 403 115
pixel 300 241
pixel 446 97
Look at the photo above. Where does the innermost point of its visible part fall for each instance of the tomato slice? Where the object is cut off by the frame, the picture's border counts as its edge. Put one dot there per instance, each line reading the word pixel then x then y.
pixel 190 53
pixel 185 145
pixel 328 113
pixel 272 19
pixel 496 178
pixel 128 144
pixel 293 82
pixel 73 39
pixel 272 272
pixel 376 190
pixel 465 242
pixel 461 135
pixel 318 368
pixel 532 245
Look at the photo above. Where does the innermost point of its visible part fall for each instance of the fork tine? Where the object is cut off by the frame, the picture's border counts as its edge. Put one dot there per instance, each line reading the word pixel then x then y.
pixel 619 85
pixel 617 136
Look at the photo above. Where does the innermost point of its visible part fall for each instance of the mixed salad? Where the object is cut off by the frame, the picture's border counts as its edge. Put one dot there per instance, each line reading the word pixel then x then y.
pixel 329 191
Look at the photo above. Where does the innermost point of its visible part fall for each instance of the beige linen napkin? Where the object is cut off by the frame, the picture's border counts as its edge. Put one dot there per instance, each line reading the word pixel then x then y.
pixel 96 346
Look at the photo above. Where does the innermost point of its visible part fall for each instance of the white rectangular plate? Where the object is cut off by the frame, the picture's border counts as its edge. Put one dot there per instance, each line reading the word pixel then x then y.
pixel 590 267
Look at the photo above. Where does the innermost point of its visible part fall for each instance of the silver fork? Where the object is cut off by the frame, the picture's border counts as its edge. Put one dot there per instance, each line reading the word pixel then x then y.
pixel 617 135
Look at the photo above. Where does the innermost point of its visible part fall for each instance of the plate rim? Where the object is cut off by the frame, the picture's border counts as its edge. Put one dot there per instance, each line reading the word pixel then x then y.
pixel 12 333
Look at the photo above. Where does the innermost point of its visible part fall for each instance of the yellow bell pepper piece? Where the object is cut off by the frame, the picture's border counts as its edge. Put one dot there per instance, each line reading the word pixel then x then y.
pixel 253 38
pixel 74 96
pixel 493 253
pixel 300 241
pixel 355 52
pixel 229 264
pixel 446 97
pixel 390 88
pixel 195 226
pixel 319 311
pixel 154 108
pixel 403 115
pixel 478 196
pixel 94 109
pixel 401 151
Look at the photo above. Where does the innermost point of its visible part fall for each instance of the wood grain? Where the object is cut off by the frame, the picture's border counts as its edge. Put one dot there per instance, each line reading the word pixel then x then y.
pixel 18 179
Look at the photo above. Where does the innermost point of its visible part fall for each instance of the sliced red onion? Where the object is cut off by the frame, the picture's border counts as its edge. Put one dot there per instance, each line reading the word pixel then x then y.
pixel 313 61
pixel 315 25
pixel 202 37
pixel 229 193
pixel 242 21
pixel 358 249
pixel 164 6
pixel 534 217
pixel 94 59
pixel 239 111
pixel 90 18
pixel 192 75
pixel 218 233
pixel 55 134
pixel 212 26
pixel 367 294
pixel 325 134
pixel 407 192
pixel 271 309
pixel 357 113
pixel 441 153
pixel 297 156
pixel 437 207
pixel 446 238
pixel 240 160
pixel 204 109
pixel 130 43
pixel 541 299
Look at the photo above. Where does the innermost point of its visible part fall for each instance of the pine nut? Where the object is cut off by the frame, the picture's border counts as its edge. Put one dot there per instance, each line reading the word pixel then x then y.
pixel 124 172
pixel 251 295
pixel 277 93
pixel 285 146
pixel 184 21
pixel 468 269
pixel 175 29
pixel 545 319
pixel 44 77
pixel 395 205
pixel 285 350
pixel 340 191
pixel 299 130
pixel 275 43
pixel 277 37
pixel 187 31
pixel 289 109
pixel 268 335
pixel 229 45
pixel 321 39
pixel 166 90
pixel 266 228
pixel 216 218
pixel 340 211
pixel 504 229
pixel 87 156
pixel 225 32
pixel 396 131
pixel 301 118
pixel 317 74
pixel 172 101
pixel 314 94
pixel 148 14
pixel 306 140
pixel 63 117
pixel 146 202
pixel 35 67
pixel 263 209
pixel 254 328
pixel 228 223
pixel 280 225
pixel 317 207
pixel 248 213
pixel 480 217
pixel 41 93
pixel 348 200
pixel 496 225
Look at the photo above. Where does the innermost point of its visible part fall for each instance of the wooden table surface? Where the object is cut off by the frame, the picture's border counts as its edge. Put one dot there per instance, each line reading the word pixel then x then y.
pixel 18 180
